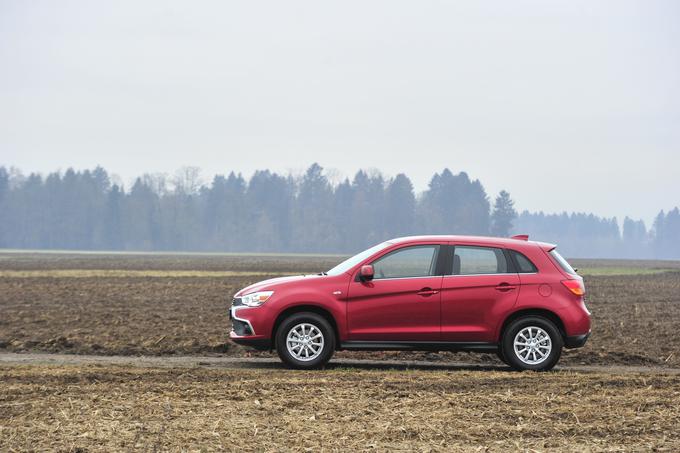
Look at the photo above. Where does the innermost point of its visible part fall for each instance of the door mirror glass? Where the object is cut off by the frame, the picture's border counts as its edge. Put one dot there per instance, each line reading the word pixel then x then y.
pixel 366 273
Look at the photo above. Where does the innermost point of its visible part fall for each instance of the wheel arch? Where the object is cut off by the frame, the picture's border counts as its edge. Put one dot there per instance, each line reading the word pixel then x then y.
pixel 541 312
pixel 306 308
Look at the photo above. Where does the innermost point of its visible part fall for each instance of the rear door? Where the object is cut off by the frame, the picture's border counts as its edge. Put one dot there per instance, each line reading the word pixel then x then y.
pixel 402 302
pixel 479 288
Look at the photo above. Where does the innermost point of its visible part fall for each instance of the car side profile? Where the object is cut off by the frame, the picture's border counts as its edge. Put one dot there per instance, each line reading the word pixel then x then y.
pixel 510 296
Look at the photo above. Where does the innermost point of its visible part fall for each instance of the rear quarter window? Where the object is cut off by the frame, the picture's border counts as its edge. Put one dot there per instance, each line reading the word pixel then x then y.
pixel 524 264
pixel 562 263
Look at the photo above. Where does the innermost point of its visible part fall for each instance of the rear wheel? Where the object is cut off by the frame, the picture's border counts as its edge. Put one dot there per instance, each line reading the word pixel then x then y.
pixel 532 343
pixel 305 341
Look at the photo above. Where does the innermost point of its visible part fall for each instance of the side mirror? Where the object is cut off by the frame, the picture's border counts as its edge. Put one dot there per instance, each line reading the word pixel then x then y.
pixel 366 273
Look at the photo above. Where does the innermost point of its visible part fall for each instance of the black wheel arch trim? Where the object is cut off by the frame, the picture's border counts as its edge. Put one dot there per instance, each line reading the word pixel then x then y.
pixel 302 308
pixel 540 312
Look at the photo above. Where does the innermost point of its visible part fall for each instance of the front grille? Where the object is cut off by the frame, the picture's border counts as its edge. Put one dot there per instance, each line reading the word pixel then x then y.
pixel 236 302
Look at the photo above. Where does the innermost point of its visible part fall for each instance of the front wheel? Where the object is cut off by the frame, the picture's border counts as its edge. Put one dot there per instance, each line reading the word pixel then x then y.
pixel 501 356
pixel 532 343
pixel 305 341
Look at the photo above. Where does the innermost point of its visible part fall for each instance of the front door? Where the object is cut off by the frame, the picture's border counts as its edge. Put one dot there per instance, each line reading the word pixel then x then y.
pixel 402 302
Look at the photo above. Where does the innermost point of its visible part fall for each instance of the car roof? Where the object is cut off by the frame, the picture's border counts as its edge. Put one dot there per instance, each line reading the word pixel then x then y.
pixel 487 240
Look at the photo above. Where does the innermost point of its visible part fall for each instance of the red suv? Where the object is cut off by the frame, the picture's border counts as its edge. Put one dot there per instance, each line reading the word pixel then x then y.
pixel 515 297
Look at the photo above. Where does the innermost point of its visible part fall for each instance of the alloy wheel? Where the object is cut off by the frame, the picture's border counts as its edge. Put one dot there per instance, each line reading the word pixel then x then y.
pixel 305 342
pixel 532 345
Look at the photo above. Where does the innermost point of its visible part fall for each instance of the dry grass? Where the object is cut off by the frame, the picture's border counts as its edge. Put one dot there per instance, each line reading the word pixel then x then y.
pixel 625 264
pixel 111 408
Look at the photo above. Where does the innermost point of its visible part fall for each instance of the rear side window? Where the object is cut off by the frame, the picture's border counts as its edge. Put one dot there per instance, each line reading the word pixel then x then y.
pixel 418 261
pixel 469 260
pixel 566 267
pixel 524 264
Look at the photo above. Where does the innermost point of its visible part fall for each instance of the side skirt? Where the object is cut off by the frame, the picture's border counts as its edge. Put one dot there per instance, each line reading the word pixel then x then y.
pixel 419 346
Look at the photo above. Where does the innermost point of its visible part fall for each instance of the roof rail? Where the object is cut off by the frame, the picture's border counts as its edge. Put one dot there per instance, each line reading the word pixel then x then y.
pixel 521 237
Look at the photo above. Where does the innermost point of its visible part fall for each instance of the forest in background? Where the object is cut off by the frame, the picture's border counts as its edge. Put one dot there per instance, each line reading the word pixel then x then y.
pixel 270 212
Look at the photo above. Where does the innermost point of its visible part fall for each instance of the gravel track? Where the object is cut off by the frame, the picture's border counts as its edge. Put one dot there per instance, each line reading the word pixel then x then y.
pixel 8 358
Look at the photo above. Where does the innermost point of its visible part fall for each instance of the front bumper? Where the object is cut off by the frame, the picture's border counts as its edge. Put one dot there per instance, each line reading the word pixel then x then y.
pixel 240 326
pixel 261 344
pixel 576 341
pixel 243 332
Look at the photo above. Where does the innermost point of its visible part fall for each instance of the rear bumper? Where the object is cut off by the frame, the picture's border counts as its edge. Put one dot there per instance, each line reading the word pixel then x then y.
pixel 576 341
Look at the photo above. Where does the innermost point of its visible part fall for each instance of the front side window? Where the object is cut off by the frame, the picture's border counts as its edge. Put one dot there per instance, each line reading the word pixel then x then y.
pixel 469 260
pixel 417 261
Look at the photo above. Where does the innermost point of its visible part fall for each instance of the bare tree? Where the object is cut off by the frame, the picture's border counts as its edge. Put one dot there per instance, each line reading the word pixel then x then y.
pixel 187 180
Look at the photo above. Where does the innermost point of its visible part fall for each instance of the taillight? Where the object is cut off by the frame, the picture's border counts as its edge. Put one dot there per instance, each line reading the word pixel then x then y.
pixel 575 286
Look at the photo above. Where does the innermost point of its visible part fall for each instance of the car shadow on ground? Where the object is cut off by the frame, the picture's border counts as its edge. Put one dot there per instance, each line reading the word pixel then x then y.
pixel 348 364
pixel 418 366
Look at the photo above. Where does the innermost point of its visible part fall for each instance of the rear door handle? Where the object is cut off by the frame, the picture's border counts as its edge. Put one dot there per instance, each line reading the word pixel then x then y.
pixel 426 292
pixel 505 287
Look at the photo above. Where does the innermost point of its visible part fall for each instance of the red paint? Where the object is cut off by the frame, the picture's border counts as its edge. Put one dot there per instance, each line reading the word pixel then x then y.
pixel 398 310
pixel 545 290
pixel 472 305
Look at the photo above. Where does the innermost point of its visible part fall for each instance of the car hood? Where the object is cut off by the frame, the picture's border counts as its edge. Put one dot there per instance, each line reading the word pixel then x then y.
pixel 273 283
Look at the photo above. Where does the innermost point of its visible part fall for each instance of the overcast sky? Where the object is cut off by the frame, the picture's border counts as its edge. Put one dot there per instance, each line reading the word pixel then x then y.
pixel 569 105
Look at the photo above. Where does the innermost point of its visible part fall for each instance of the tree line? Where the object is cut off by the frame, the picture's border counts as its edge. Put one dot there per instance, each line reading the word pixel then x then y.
pixel 270 212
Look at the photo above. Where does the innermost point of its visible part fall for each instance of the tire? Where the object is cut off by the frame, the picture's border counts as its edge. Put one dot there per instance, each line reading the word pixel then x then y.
pixel 544 344
pixel 303 351
pixel 501 356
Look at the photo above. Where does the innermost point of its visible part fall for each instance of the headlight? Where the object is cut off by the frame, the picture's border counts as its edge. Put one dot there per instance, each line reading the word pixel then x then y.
pixel 256 299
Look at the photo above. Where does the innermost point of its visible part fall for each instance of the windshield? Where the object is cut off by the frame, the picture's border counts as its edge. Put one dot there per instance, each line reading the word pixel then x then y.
pixel 349 263
pixel 566 267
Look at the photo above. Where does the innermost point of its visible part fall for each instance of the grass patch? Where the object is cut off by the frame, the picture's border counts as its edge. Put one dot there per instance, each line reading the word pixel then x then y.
pixel 605 271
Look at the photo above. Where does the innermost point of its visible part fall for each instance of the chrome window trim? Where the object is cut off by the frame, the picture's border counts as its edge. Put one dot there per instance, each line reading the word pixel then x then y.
pixel 497 273
pixel 233 315
pixel 405 278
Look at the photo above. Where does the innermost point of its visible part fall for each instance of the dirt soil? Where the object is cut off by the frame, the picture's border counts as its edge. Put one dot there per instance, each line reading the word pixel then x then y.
pixel 619 393
pixel 175 304
pixel 113 408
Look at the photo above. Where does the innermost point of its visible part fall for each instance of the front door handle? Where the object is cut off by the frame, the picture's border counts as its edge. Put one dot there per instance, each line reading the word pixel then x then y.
pixel 427 292
pixel 505 287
